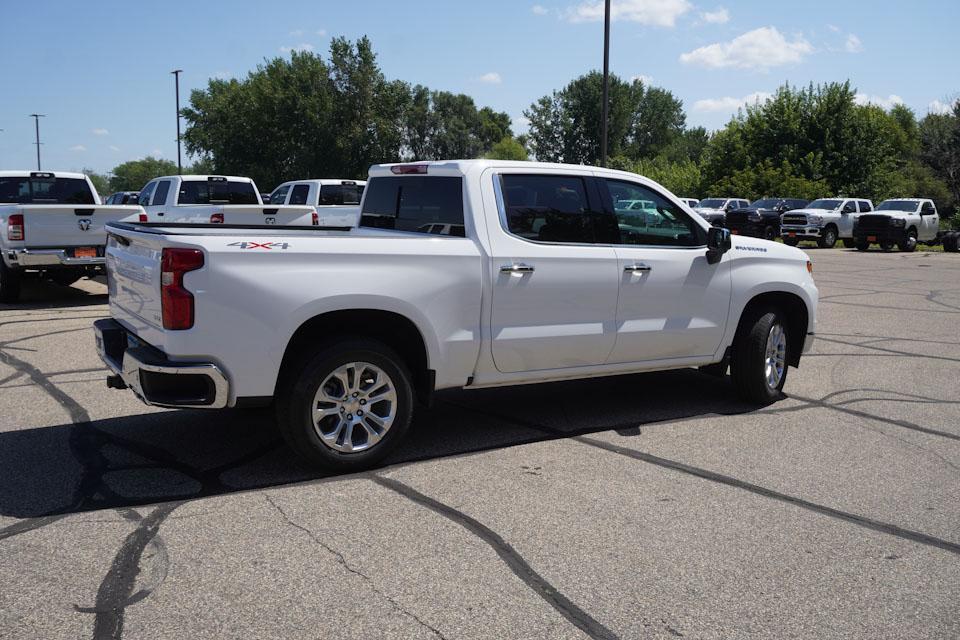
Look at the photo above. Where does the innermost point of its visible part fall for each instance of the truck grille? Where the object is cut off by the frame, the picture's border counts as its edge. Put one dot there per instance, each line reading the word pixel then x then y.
pixel 867 223
pixel 792 218
pixel 737 217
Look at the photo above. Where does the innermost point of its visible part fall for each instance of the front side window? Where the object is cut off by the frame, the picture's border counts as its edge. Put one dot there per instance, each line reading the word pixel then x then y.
pixel 865 206
pixel 546 208
pixel 279 195
pixel 928 208
pixel 299 195
pixel 145 194
pixel 415 203
pixel 658 221
pixel 161 193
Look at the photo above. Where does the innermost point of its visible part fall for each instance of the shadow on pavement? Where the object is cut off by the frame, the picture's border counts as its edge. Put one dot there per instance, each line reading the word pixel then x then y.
pixel 175 455
pixel 37 293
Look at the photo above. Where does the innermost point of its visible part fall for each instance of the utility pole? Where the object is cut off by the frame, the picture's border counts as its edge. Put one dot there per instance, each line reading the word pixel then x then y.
pixel 36 119
pixel 606 84
pixel 176 79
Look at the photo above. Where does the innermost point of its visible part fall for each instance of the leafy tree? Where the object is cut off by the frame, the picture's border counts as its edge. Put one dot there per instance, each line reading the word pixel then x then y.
pixel 508 149
pixel 132 175
pixel 940 150
pixel 100 182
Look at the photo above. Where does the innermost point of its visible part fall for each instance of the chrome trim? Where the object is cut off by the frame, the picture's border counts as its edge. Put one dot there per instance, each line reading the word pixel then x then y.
pixel 52 257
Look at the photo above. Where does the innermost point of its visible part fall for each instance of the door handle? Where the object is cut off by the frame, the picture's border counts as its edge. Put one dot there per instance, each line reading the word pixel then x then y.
pixel 637 268
pixel 518 267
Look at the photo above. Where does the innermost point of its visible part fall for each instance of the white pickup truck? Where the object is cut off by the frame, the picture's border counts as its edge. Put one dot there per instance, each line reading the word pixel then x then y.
pixel 824 221
pixel 52 223
pixel 539 275
pixel 335 202
pixel 196 199
pixel 900 221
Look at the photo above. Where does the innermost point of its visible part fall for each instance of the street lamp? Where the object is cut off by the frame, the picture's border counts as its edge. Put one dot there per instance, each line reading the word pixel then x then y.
pixel 36 119
pixel 176 79
pixel 606 84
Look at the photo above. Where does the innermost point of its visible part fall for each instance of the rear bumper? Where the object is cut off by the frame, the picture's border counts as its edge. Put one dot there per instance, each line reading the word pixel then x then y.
pixel 153 378
pixel 28 258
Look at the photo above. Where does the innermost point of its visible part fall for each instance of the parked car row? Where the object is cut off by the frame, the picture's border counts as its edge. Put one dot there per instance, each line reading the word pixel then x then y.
pixel 900 222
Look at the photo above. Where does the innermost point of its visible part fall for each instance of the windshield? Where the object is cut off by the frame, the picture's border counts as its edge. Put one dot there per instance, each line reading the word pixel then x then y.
pixel 217 192
pixel 768 203
pixel 897 205
pixel 826 205
pixel 712 203
pixel 31 190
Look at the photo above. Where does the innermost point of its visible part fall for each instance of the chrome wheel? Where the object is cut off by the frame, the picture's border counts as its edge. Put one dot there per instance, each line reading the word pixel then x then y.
pixel 776 356
pixel 354 407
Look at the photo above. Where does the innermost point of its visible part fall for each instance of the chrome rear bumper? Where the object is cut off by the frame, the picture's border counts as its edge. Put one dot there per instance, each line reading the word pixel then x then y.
pixel 50 258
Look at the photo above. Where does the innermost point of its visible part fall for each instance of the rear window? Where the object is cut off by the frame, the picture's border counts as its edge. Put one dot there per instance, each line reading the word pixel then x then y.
pixel 425 204
pixel 340 194
pixel 34 190
pixel 217 192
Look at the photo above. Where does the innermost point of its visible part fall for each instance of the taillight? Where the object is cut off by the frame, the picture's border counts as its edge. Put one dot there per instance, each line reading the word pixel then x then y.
pixel 175 301
pixel 143 217
pixel 316 219
pixel 216 218
pixel 15 227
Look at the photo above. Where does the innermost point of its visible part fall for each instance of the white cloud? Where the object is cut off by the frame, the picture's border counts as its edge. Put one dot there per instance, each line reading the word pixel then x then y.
pixel 720 16
pixel 157 153
pixel 296 33
pixel 941 108
pixel 886 103
pixel 647 80
pixel 78 147
pixel 491 78
pixel 853 44
pixel 303 46
pixel 100 132
pixel 114 147
pixel 539 10
pixel 658 13
pixel 730 104
pixel 321 32
pixel 833 28
pixel 761 48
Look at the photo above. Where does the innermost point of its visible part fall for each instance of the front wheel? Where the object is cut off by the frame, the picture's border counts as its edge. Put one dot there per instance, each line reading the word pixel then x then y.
pixel 759 364
pixel 828 239
pixel 791 242
pixel 769 233
pixel 849 243
pixel 9 283
pixel 862 245
pixel 348 407
pixel 909 245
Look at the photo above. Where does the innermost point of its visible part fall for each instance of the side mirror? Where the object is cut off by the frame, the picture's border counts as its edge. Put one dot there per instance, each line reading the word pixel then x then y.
pixel 718 243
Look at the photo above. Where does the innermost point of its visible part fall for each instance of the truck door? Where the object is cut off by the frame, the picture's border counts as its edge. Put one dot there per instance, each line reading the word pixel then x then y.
pixel 554 288
pixel 672 303
pixel 930 222
pixel 848 218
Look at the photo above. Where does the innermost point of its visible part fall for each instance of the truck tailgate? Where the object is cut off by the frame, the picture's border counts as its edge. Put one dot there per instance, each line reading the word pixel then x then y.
pixel 57 225
pixel 133 282
pixel 238 214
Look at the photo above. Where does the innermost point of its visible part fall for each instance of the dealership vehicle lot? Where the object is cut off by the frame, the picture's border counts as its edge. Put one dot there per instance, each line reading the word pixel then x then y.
pixel 650 505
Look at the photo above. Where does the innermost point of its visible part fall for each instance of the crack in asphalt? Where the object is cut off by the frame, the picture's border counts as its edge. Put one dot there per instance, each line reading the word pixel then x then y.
pixel 342 561
pixel 520 567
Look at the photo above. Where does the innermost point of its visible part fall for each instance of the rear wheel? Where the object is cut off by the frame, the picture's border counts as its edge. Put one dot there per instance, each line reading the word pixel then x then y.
pixel 849 243
pixel 9 283
pixel 758 367
pixel 828 239
pixel 909 245
pixel 348 407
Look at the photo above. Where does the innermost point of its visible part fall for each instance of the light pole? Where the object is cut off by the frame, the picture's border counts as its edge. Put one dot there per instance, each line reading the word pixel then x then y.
pixel 176 79
pixel 36 119
pixel 606 84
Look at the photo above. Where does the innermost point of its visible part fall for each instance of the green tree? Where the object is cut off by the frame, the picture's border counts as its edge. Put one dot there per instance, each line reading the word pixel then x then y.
pixel 132 175
pixel 100 182
pixel 508 148
pixel 940 151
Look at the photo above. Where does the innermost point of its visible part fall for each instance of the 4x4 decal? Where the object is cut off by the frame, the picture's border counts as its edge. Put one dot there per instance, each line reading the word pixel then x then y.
pixel 260 245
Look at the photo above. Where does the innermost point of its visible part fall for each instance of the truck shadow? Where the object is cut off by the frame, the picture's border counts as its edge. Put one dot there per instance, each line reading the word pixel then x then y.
pixel 44 294
pixel 179 455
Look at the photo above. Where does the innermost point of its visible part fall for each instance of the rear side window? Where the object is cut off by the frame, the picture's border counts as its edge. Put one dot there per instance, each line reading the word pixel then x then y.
pixel 279 196
pixel 40 190
pixel 299 195
pixel 217 192
pixel 340 194
pixel 546 208
pixel 415 203
pixel 865 206
pixel 160 197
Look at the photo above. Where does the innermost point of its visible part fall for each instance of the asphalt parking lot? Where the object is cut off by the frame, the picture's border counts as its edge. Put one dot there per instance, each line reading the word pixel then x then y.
pixel 640 506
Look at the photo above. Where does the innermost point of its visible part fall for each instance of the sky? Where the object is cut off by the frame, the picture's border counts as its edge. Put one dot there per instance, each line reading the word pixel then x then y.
pixel 100 70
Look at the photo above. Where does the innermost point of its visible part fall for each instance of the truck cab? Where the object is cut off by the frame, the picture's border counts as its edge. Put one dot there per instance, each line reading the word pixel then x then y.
pixel 336 202
pixel 899 221
pixel 824 221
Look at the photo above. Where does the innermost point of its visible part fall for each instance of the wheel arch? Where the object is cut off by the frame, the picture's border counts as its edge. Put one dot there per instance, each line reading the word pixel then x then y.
pixel 794 309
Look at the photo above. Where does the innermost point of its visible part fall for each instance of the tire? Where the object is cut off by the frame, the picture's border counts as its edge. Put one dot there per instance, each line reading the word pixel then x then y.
pixel 887 245
pixel 849 243
pixel 64 278
pixel 761 337
pixel 791 242
pixel 769 233
pixel 910 244
pixel 337 367
pixel 862 245
pixel 950 242
pixel 828 239
pixel 9 283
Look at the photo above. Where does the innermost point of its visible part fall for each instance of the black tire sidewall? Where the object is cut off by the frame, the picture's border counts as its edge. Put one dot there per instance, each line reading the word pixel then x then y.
pixel 294 407
pixel 828 241
pixel 748 365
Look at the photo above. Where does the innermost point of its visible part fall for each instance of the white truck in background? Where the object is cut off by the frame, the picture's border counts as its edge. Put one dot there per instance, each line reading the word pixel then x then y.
pixel 902 222
pixel 335 202
pixel 51 222
pixel 824 221
pixel 461 274
pixel 200 199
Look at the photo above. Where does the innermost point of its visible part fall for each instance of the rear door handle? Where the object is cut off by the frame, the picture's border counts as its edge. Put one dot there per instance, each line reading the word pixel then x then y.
pixel 637 268
pixel 518 267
